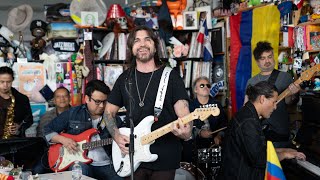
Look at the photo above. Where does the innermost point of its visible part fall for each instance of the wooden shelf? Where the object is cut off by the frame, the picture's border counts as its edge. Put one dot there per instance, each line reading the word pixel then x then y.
pixel 287 63
pixel 312 51
pixel 91 27
pixel 183 59
pixel 110 61
pixel 284 48
pixel 315 22
pixel 218 53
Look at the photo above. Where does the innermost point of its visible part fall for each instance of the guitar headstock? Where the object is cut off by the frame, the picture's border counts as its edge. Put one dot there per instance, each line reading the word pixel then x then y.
pixel 204 112
pixel 307 74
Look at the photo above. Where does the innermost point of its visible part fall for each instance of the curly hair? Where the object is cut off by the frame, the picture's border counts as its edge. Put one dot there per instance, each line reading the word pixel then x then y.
pixel 262 46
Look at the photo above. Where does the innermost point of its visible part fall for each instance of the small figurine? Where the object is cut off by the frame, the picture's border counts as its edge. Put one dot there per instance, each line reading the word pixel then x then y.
pixel 38 29
pixel 139 16
pixel 316 84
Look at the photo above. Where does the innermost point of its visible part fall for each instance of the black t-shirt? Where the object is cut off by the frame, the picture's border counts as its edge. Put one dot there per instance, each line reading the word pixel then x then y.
pixel 168 147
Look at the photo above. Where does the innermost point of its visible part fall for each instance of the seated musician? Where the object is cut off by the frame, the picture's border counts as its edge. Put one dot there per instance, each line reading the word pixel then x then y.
pixel 244 146
pixel 15 110
pixel 78 119
pixel 61 101
pixel 203 129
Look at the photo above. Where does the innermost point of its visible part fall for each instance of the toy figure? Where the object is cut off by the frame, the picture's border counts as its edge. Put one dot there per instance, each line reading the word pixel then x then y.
pixel 316 84
pixel 315 4
pixel 175 8
pixel 38 29
pixel 139 17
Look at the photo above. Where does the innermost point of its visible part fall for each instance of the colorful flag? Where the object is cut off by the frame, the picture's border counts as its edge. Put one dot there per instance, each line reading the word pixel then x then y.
pixel 203 38
pixel 246 29
pixel 273 169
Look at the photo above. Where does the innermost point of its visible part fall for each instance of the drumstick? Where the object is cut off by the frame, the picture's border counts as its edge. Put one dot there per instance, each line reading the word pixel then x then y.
pixel 218 130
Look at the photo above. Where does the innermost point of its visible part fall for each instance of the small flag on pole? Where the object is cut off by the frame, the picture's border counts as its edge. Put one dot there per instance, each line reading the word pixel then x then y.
pixel 203 38
pixel 273 169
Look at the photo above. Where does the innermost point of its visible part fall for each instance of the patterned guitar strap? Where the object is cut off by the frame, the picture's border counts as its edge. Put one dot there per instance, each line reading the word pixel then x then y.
pixel 161 94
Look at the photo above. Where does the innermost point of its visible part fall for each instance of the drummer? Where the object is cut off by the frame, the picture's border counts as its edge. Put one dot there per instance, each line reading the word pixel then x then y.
pixel 204 138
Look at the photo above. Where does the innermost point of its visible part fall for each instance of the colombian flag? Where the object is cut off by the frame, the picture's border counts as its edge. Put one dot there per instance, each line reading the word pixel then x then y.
pixel 246 29
pixel 273 170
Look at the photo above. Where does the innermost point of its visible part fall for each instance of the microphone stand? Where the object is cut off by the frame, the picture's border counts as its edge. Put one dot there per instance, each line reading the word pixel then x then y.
pixel 131 137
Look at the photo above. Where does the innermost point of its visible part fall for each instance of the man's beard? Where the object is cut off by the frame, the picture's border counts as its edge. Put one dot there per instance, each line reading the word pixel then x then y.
pixel 145 58
pixel 267 68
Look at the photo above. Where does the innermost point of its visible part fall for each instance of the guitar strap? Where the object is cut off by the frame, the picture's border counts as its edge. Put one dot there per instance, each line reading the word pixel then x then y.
pixel 273 77
pixel 161 94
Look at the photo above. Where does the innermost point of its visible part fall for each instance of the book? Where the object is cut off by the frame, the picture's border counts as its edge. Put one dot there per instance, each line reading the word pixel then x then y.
pixel 217 39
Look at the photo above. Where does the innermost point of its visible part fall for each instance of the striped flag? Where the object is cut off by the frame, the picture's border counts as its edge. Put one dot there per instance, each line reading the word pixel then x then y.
pixel 273 169
pixel 246 29
pixel 203 38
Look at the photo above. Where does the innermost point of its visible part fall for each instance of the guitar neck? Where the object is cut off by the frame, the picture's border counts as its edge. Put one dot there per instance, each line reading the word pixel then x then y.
pixel 287 92
pixel 146 139
pixel 94 144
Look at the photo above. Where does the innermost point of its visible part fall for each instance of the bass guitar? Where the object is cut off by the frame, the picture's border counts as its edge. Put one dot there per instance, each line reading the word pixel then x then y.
pixel 144 138
pixel 306 75
pixel 61 159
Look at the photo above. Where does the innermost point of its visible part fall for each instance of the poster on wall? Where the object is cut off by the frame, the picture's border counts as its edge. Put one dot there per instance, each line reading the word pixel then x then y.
pixel 31 78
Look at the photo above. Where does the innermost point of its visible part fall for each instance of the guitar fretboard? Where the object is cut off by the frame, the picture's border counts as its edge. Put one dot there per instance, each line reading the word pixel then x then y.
pixel 200 113
pixel 164 130
pixel 306 75
pixel 94 144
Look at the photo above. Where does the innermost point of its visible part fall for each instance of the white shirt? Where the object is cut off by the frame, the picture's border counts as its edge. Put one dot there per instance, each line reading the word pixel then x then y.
pixel 98 155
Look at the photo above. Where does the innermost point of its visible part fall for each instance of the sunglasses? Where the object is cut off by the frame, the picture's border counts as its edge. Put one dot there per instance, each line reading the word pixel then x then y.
pixel 203 85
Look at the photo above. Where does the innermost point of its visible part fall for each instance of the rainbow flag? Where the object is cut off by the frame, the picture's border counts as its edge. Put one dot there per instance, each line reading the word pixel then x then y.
pixel 246 29
pixel 273 169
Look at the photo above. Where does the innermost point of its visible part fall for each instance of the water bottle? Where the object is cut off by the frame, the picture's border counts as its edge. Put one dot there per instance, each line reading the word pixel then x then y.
pixel 76 171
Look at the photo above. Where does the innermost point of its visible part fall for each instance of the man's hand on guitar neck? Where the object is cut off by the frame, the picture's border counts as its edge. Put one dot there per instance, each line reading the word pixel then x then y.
pixel 181 130
pixel 68 143
pixel 293 88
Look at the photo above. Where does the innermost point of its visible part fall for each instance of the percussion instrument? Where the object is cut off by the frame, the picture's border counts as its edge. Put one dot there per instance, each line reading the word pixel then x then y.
pixel 188 171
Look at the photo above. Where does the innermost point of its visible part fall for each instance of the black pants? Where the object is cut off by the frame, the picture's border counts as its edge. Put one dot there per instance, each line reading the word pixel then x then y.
pixel 147 174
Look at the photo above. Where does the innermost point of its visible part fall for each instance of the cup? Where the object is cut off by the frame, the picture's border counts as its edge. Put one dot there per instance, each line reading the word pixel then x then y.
pixel 25 175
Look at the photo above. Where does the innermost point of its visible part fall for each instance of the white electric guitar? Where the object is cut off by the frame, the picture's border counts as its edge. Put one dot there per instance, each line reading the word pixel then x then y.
pixel 144 138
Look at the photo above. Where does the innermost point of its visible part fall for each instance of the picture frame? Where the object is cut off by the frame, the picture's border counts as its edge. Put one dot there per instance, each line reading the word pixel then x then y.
pixel 89 18
pixel 190 20
pixel 204 11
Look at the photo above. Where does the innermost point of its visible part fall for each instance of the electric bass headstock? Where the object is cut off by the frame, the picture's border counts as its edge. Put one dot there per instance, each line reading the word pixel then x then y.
pixel 308 74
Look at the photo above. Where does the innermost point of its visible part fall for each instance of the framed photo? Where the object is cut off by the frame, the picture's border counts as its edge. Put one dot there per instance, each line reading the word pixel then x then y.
pixel 190 20
pixel 89 18
pixel 204 12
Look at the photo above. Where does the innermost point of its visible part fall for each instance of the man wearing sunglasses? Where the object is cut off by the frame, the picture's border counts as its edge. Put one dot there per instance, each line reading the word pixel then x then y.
pixel 79 119
pixel 203 129
pixel 201 90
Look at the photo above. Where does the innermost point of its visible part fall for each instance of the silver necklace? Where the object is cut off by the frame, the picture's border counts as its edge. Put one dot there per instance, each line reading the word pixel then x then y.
pixel 141 103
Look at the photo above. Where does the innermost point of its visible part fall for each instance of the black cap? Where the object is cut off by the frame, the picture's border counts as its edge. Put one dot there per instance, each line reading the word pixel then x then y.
pixel 38 24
